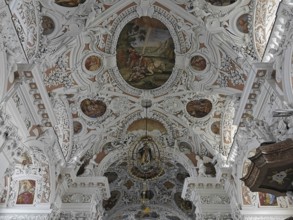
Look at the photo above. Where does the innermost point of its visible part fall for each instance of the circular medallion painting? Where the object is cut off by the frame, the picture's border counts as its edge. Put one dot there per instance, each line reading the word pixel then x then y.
pixel 77 127
pixel 242 23
pixel 145 53
pixel 69 3
pixel 92 63
pixel 221 2
pixel 199 108
pixel 215 127
pixel 198 63
pixel 93 108
pixel 48 25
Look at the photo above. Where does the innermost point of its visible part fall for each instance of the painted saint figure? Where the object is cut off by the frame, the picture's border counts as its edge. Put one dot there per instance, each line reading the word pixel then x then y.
pixel 93 108
pixel 92 63
pixel 199 108
pixel 198 63
pixel 26 192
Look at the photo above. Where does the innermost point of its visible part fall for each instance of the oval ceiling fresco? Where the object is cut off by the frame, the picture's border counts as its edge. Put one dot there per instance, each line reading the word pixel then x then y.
pixel 242 23
pixel 145 53
pixel 216 127
pixel 198 63
pixel 69 3
pixel 92 63
pixel 48 25
pixel 199 108
pixel 93 108
pixel 221 2
pixel 77 127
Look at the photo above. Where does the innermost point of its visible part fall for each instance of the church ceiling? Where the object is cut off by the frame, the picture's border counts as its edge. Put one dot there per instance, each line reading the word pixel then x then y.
pixel 114 71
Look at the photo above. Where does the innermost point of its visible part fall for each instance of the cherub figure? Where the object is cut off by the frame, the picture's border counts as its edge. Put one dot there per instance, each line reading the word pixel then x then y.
pixel 196 7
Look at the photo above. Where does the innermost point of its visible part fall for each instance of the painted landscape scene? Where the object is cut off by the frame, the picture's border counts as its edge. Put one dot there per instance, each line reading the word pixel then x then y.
pixel 145 53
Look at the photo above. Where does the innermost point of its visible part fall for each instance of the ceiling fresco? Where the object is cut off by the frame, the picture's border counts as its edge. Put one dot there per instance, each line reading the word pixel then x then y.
pixel 144 93
pixel 145 53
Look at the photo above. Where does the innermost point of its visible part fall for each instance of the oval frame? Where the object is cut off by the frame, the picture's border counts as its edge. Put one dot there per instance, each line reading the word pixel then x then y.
pixel 97 119
pixel 201 99
pixel 193 68
pixel 83 126
pixel 212 99
pixel 202 73
pixel 170 22
pixel 94 72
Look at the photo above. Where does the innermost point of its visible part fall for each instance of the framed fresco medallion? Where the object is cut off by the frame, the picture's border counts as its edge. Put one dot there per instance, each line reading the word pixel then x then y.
pixel 93 108
pixel 77 127
pixel 198 63
pixel 145 53
pixel 199 66
pixel 69 3
pixel 92 64
pixel 216 127
pixel 242 23
pixel 199 108
pixel 221 2
pixel 144 49
pixel 48 25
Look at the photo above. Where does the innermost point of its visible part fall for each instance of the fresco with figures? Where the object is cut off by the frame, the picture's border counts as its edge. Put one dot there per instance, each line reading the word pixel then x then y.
pixel 69 3
pixel 26 192
pixel 221 2
pixel 145 53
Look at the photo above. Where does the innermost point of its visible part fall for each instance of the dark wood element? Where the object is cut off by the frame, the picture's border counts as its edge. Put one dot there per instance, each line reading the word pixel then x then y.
pixel 271 170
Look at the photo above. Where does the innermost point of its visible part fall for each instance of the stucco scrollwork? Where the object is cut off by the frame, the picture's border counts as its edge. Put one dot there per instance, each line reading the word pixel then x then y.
pixel 76 198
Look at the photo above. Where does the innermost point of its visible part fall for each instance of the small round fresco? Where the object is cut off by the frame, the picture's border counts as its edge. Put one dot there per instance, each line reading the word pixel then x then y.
pixel 93 63
pixel 48 25
pixel 93 108
pixel 199 108
pixel 145 53
pixel 242 24
pixel 215 127
pixel 69 3
pixel 198 63
pixel 221 2
pixel 77 127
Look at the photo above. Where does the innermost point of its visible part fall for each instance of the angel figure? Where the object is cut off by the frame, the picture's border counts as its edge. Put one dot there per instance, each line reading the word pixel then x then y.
pixel 197 10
